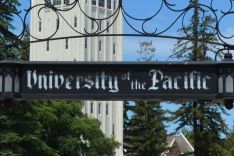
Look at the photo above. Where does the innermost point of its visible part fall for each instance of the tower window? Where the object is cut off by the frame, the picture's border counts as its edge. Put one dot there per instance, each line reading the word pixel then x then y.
pixel 92 25
pixel 114 4
pixel 91 108
pixel 75 21
pixel 86 43
pixel 114 48
pixel 100 25
pixel 107 109
pixel 100 45
pixel 66 43
pixel 93 2
pixel 47 46
pixel 57 23
pixel 66 2
pixel 57 2
pixel 108 4
pixel 101 3
pixel 39 28
pixel 113 129
pixel 108 24
pixel 99 108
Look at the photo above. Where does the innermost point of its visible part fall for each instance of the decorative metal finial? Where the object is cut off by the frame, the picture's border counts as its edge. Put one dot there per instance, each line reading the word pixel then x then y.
pixel 228 104
pixel 228 56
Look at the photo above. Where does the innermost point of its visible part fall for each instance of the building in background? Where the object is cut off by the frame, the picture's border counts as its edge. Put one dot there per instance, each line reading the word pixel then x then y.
pixel 178 145
pixel 81 49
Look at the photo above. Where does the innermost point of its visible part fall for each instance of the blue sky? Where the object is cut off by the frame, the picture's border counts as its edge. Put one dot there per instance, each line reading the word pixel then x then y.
pixel 144 9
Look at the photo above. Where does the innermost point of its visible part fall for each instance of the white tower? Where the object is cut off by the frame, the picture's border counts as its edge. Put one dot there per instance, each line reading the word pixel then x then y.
pixel 81 49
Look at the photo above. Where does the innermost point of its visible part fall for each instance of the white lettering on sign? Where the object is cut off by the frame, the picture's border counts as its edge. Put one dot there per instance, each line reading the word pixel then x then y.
pixel 57 81
pixel 153 80
pixel 191 80
pixel 157 76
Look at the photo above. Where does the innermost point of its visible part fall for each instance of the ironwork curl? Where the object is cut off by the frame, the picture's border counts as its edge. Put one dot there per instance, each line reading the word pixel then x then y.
pixel 224 41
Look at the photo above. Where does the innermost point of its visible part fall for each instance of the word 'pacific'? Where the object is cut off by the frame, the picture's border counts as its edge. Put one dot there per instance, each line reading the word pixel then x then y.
pixel 189 80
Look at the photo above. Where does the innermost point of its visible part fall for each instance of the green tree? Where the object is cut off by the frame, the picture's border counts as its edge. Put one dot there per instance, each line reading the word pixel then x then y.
pixel 50 128
pixel 70 132
pixel 25 46
pixel 205 119
pixel 229 144
pixel 20 131
pixel 47 128
pixel 144 131
pixel 8 40
pixel 8 7
pixel 146 51
pixel 200 31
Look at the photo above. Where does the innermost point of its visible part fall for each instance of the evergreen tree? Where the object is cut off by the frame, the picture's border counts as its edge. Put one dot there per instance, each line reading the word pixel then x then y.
pixel 8 40
pixel 225 146
pixel 205 119
pixel 20 131
pixel 8 7
pixel 146 51
pixel 144 131
pixel 229 144
pixel 127 113
pixel 25 46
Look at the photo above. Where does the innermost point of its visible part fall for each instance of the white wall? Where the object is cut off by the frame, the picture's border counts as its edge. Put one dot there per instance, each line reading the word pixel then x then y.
pixel 77 52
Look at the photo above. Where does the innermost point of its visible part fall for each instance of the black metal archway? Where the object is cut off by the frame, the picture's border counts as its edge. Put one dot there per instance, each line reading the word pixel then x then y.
pixel 138 29
pixel 221 72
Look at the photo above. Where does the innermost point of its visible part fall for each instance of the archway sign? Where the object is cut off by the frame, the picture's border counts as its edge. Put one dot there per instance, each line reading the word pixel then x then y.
pixel 208 80
pixel 118 81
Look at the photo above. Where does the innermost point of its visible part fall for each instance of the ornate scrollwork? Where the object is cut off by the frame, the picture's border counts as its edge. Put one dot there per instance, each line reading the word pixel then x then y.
pixel 137 25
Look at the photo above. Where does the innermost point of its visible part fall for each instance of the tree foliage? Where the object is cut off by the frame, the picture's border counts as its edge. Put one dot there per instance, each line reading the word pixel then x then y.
pixel 196 50
pixel 20 130
pixel 146 51
pixel 71 132
pixel 205 119
pixel 8 7
pixel 144 131
pixel 50 128
pixel 24 49
pixel 209 124
pixel 9 42
pixel 222 148
pixel 229 144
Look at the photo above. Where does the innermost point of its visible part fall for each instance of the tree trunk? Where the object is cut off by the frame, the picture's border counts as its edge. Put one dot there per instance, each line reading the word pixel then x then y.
pixel 197 151
pixel 195 132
